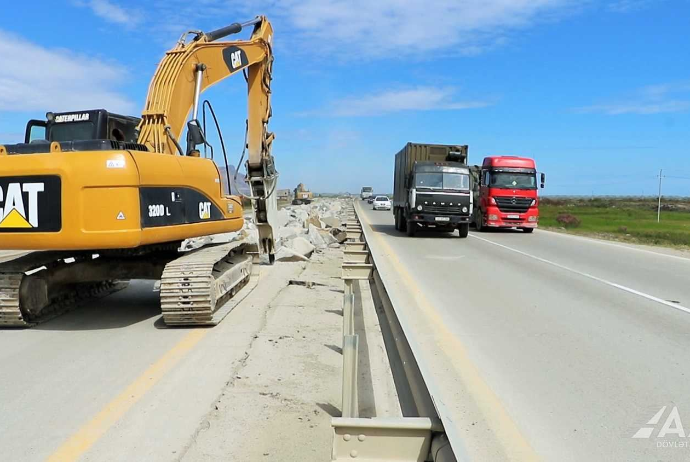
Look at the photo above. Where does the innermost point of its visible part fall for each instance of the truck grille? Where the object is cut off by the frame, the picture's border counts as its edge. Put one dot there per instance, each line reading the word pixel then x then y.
pixel 513 204
pixel 443 209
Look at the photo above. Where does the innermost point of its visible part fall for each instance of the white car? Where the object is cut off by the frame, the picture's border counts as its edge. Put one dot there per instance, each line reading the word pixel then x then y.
pixel 382 203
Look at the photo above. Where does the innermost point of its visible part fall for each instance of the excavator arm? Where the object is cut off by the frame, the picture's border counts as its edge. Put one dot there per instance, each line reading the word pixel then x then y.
pixel 188 70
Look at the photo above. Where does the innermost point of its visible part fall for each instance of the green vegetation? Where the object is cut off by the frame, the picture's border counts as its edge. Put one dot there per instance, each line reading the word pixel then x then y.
pixel 623 219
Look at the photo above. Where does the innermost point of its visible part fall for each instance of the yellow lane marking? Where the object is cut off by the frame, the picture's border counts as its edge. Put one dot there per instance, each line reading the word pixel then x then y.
pixel 514 445
pixel 89 434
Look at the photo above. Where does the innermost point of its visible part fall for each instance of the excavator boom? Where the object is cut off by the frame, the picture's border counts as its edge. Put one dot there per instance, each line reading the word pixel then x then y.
pixel 192 67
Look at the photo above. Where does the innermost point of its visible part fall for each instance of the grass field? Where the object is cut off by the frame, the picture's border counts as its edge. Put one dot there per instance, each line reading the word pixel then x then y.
pixel 622 219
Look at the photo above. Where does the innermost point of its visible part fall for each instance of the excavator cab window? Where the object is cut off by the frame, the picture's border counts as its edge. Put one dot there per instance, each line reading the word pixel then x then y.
pixel 71 131
pixel 35 131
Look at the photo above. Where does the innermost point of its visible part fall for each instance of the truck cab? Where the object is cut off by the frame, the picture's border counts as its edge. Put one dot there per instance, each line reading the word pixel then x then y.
pixel 505 190
pixel 366 193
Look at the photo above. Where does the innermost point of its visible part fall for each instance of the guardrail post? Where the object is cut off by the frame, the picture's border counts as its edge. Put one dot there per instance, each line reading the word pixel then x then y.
pixel 350 401
pixel 348 314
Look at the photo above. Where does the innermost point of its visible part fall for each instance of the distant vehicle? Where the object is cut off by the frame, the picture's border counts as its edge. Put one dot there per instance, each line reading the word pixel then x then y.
pixel 302 195
pixel 367 192
pixel 432 189
pixel 505 193
pixel 382 203
pixel 371 200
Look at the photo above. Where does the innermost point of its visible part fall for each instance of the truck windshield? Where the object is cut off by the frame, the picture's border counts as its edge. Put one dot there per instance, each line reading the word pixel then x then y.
pixel 504 180
pixel 367 189
pixel 440 180
pixel 71 131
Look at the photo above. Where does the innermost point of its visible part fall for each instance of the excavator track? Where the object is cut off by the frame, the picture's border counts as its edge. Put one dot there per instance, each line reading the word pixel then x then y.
pixel 25 300
pixel 196 289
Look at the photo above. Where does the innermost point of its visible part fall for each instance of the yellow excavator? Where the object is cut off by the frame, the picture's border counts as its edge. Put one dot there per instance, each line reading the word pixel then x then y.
pixel 99 200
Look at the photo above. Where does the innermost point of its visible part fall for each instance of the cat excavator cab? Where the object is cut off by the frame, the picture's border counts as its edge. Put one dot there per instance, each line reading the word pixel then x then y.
pixel 99 201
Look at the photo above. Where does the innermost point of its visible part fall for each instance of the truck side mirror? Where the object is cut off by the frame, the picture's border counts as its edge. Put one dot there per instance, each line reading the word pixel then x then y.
pixel 543 179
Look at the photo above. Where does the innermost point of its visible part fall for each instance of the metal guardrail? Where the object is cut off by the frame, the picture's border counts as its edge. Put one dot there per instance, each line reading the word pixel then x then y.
pixel 419 435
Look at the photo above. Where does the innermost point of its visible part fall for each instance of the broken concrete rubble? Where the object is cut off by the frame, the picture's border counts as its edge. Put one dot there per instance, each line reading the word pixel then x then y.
pixel 331 222
pixel 318 224
pixel 296 249
pixel 315 237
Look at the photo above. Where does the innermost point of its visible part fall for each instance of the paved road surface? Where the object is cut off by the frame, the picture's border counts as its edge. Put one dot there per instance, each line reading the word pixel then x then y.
pixel 77 386
pixel 553 347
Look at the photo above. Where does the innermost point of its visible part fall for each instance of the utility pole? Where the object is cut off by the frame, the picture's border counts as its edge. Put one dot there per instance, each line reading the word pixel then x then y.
pixel 658 209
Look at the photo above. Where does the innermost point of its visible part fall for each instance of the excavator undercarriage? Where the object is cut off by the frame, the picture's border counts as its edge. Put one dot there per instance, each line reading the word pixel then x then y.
pixel 194 287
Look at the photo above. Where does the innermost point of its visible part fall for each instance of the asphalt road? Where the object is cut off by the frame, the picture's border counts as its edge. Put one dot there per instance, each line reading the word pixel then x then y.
pixel 109 382
pixel 545 346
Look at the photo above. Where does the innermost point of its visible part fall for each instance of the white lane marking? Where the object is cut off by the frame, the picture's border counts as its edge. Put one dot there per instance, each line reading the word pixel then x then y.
pixel 444 257
pixel 611 244
pixel 677 306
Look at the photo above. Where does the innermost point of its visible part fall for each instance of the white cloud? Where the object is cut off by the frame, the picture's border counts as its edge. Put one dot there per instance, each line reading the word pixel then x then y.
pixel 382 28
pixel 111 12
pixel 42 79
pixel 652 99
pixel 352 30
pixel 413 99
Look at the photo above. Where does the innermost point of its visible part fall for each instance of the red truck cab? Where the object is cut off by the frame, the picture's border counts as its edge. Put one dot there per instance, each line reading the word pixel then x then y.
pixel 505 189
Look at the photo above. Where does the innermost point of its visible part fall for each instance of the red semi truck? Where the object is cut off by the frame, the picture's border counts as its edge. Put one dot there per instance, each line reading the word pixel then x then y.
pixel 505 193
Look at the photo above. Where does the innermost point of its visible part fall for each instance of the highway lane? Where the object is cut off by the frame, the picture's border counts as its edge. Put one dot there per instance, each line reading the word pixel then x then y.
pixel 560 348
pixel 108 382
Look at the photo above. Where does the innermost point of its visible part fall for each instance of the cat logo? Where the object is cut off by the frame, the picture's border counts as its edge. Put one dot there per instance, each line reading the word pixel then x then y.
pixel 236 59
pixel 14 211
pixel 204 210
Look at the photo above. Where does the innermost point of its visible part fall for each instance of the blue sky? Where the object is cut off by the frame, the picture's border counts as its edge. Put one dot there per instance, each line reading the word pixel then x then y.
pixel 598 92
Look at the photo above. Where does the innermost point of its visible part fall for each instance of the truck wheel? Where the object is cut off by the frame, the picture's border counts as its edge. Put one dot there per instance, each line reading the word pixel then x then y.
pixel 479 221
pixel 396 217
pixel 403 222
pixel 464 229
pixel 409 227
pixel 528 230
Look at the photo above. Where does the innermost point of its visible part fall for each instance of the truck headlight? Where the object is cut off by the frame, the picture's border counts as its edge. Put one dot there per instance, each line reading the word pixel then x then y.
pixel 419 207
pixel 493 217
pixel 532 218
pixel 464 210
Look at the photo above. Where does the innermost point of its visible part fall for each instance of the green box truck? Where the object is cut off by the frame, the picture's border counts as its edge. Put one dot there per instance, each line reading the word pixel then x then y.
pixel 432 189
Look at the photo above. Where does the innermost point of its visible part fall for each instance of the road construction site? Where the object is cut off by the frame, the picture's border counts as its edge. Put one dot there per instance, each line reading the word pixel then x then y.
pixel 107 376
pixel 109 381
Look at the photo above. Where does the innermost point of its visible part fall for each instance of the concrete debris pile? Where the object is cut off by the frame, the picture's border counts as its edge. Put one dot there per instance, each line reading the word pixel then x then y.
pixel 304 229
pixel 300 230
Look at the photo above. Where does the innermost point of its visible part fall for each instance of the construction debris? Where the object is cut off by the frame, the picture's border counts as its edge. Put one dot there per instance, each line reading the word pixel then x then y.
pixel 301 230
